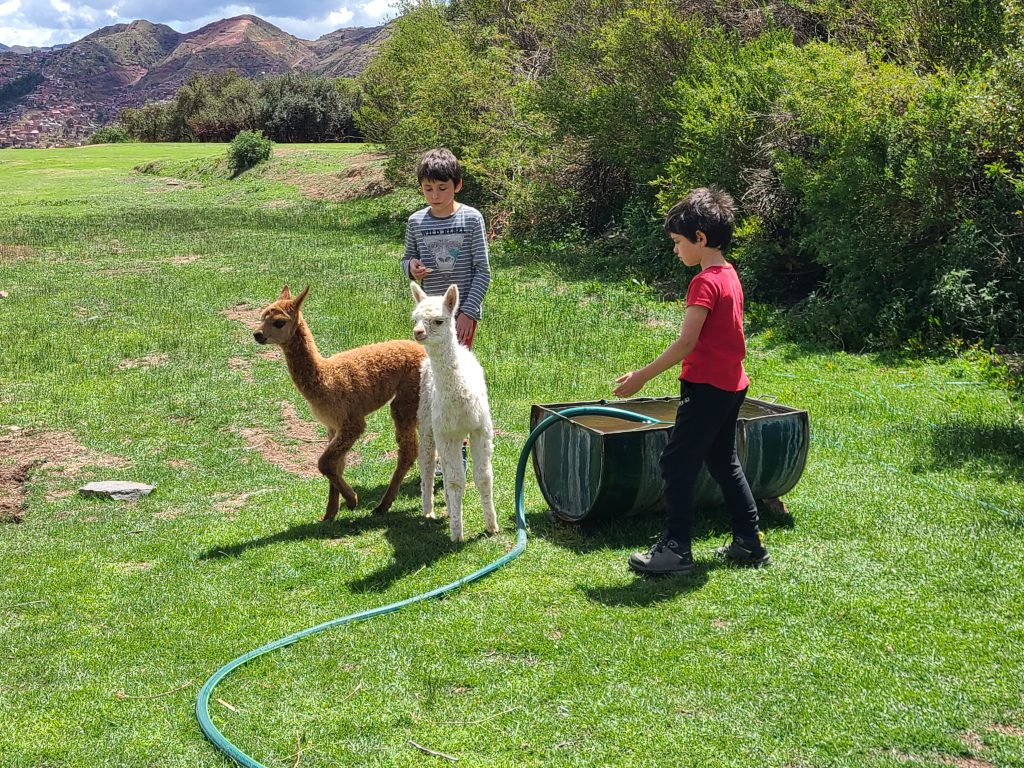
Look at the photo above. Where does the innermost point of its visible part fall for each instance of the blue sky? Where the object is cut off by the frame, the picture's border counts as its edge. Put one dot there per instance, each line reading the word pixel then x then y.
pixel 49 22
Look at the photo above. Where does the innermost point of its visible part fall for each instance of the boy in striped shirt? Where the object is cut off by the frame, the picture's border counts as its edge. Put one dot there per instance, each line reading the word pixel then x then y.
pixel 446 242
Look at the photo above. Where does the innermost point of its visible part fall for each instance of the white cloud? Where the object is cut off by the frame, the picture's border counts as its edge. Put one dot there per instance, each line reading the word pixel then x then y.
pixel 378 9
pixel 32 37
pixel 8 8
pixel 339 17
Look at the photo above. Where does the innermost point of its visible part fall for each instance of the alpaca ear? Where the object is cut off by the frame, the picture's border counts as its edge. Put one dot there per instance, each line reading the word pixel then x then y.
pixel 285 293
pixel 301 298
pixel 451 298
pixel 418 294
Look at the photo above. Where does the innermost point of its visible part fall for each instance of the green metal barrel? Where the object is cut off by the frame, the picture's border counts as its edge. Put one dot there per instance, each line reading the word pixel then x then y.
pixel 591 468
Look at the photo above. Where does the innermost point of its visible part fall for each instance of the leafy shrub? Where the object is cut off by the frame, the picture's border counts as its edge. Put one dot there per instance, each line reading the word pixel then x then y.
pixel 247 149
pixel 20 86
pixel 875 148
pixel 110 134
pixel 215 107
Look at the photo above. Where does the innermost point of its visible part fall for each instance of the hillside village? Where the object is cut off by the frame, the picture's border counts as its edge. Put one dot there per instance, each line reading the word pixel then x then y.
pixel 85 84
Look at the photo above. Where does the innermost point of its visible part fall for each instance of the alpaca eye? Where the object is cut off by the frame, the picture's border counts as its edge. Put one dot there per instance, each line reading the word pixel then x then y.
pixel 279 323
pixel 438 322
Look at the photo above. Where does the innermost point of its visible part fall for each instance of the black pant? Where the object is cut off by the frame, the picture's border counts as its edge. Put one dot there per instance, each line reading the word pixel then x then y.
pixel 705 431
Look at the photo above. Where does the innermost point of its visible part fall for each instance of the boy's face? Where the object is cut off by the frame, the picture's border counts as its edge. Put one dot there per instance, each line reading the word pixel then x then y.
pixel 439 194
pixel 685 250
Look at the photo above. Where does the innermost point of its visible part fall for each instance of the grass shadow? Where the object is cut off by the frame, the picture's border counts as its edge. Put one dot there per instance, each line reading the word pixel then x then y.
pixel 340 526
pixel 650 590
pixel 1000 446
pixel 639 531
pixel 417 542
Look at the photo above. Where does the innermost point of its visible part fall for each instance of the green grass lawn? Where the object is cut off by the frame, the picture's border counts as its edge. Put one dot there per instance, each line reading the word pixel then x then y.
pixel 889 632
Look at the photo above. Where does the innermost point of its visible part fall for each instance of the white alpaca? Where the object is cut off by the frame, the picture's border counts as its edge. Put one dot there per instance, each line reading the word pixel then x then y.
pixel 453 404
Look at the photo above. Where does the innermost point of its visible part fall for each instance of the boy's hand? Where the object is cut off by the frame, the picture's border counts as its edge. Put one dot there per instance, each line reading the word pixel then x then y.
pixel 629 384
pixel 418 270
pixel 463 328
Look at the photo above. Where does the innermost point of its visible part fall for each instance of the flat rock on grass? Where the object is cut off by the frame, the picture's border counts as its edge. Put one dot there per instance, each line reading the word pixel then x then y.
pixel 119 490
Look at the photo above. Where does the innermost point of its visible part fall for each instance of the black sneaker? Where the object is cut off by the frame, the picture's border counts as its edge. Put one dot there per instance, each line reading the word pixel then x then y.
pixel 663 557
pixel 743 551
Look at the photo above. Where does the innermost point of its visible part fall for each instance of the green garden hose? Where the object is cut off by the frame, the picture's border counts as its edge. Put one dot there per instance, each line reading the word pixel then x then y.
pixel 203 701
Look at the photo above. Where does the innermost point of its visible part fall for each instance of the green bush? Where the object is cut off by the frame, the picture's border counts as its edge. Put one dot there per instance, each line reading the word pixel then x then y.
pixel 874 148
pixel 247 149
pixel 110 134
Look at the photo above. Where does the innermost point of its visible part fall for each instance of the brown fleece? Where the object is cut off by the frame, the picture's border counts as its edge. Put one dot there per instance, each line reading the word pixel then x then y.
pixel 343 389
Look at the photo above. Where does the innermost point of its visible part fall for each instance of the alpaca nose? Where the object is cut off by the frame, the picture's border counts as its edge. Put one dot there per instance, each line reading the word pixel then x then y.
pixel 419 334
pixel 260 338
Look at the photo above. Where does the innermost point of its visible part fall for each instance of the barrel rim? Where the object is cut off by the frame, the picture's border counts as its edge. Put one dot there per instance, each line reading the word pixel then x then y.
pixel 772 410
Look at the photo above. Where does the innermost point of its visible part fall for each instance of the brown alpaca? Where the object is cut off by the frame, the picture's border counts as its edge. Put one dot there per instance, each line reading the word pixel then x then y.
pixel 343 389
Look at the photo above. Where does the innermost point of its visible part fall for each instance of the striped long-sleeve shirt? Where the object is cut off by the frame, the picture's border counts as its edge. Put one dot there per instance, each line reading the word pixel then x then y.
pixel 456 249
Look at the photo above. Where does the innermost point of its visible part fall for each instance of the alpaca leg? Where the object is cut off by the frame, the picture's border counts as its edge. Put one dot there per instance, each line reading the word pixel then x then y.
pixel 427 457
pixel 333 496
pixel 450 450
pixel 332 465
pixel 403 412
pixel 481 446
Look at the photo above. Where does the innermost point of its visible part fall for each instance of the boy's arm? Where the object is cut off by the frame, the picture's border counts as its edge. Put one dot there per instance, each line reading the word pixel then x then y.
pixel 411 251
pixel 473 302
pixel 693 322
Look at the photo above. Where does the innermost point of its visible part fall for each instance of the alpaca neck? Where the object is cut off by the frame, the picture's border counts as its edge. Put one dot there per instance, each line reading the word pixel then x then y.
pixel 446 351
pixel 444 356
pixel 304 361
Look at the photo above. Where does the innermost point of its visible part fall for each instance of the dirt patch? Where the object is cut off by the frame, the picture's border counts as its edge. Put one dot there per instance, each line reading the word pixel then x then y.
pixel 133 567
pixel 957 761
pixel 229 505
pixel 243 366
pixel 298 428
pixel 298 450
pixel 1006 730
pixel 185 258
pixel 149 361
pixel 362 176
pixel 972 741
pixel 24 452
pixel 246 314
pixel 10 253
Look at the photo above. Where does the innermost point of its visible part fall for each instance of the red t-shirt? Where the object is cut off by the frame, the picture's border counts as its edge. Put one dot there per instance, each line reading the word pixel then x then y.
pixel 718 357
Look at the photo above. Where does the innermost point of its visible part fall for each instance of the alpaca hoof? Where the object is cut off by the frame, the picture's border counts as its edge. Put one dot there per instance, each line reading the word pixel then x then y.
pixel 352 503
pixel 328 516
pixel 493 530
pixel 380 509
pixel 430 516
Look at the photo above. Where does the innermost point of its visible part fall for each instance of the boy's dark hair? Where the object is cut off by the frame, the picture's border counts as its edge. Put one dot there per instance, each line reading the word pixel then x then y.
pixel 439 165
pixel 710 210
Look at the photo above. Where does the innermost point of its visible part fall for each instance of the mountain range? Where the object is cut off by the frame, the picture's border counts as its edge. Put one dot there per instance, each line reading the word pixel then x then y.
pixel 78 87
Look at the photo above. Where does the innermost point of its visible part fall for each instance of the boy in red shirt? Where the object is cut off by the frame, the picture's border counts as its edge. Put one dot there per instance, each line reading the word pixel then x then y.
pixel 713 386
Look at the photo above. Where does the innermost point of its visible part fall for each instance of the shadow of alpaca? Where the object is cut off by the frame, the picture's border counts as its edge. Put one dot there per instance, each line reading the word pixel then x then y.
pixel 417 543
pixel 343 525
